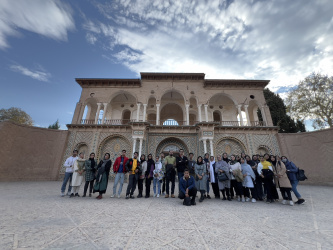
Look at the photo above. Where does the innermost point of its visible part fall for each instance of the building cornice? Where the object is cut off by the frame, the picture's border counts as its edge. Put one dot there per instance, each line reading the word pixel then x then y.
pixel 152 76
pixel 223 83
pixel 105 82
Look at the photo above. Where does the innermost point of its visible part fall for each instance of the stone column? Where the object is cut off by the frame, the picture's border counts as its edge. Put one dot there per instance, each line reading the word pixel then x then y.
pixel 134 145
pixel 157 114
pixel 88 113
pixel 187 114
pixel 199 113
pixel 138 112
pixel 205 145
pixel 240 114
pixel 144 112
pixel 140 147
pixel 97 113
pixel 104 111
pixel 263 115
pixel 211 147
pixel 83 106
pixel 206 113
pixel 247 115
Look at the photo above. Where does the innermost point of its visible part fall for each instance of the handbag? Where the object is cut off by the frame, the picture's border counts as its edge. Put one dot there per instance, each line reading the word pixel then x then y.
pixel 300 175
pixel 223 177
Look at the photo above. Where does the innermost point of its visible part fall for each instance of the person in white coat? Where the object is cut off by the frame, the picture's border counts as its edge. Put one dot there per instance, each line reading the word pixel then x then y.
pixel 69 163
pixel 77 178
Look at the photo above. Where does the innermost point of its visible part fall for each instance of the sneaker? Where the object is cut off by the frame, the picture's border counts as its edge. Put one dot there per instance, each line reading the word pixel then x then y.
pixel 284 202
pixel 77 195
pixel 225 199
pixel 173 196
pixel 158 195
pixel 247 199
pixel 208 196
pixel 229 198
pixel 291 203
pixel 62 194
pixel 118 196
pixel 166 196
pixel 243 199
pixel 127 197
pixel 239 199
pixel 84 195
pixel 154 195
pixel 71 196
pixel 112 196
pixel 301 202
pixel 68 193
pixel 132 197
pixel 99 197
pixel 193 203
pixel 254 200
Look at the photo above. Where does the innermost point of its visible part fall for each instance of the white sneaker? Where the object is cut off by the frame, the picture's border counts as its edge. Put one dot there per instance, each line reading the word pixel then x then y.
pixel 118 196
pixel 68 193
pixel 158 195
pixel 243 199
pixel 284 202
pixel 112 196
pixel 154 195
pixel 62 194
pixel 239 199
pixel 291 203
pixel 247 199
pixel 254 200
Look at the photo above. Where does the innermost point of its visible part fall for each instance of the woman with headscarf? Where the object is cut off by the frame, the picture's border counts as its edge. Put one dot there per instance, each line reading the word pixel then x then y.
pixel 265 170
pixel 281 180
pixel 142 174
pixel 222 168
pixel 149 174
pixel 236 177
pixel 258 181
pixel 200 177
pixel 89 168
pixel 225 157
pixel 238 158
pixel 248 182
pixel 102 177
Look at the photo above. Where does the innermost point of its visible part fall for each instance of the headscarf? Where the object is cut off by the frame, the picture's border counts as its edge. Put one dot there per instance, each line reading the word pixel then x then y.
pixel 232 162
pixel 200 163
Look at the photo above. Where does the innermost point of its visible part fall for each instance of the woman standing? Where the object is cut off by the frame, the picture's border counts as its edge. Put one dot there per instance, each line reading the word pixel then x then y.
pixel 102 178
pixel 236 177
pixel 158 177
pixel 248 182
pixel 149 173
pixel 265 170
pixel 142 175
pixel 77 175
pixel 200 177
pixel 275 194
pixel 222 168
pixel 89 168
pixel 281 180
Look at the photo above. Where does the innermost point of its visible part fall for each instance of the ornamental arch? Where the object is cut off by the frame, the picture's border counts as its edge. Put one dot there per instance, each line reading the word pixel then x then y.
pixel 114 145
pixel 230 146
pixel 172 143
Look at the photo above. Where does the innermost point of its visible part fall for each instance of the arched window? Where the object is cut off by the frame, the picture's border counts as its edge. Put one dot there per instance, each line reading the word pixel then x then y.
pixel 171 122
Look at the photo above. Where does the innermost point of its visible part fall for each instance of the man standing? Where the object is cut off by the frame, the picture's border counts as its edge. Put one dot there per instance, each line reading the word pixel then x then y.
pixel 163 169
pixel 69 163
pixel 133 168
pixel 120 170
pixel 181 164
pixel 187 189
pixel 207 164
pixel 170 164
pixel 190 165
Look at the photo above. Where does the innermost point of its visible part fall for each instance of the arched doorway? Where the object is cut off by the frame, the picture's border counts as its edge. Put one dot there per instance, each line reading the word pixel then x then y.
pixel 229 146
pixel 172 111
pixel 171 143
pixel 83 148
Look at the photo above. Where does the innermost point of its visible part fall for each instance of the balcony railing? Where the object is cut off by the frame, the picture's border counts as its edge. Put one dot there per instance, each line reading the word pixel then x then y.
pixel 174 123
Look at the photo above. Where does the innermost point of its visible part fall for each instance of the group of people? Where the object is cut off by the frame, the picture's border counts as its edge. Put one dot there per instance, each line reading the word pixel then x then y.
pixel 237 177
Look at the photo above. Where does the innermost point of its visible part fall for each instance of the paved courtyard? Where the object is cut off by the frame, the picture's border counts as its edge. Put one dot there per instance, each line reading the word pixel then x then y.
pixel 34 216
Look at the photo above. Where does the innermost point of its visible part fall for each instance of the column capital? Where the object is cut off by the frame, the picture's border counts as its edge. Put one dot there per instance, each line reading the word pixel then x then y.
pixel 187 105
pixel 105 104
pixel 246 105
pixel 99 104
pixel 157 104
pixel 239 106
pixel 206 105
pixel 145 104
pixel 138 104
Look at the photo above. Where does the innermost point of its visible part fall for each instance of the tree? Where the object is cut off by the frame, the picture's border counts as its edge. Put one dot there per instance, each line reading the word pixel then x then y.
pixel 55 125
pixel 16 115
pixel 279 114
pixel 313 98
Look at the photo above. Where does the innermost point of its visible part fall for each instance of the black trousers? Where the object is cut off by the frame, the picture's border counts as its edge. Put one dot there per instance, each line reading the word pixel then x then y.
pixel 192 193
pixel 216 191
pixel 238 186
pixel 253 192
pixel 148 182
pixel 170 178
pixel 140 184
pixel 163 185
pixel 286 193
pixel 224 191
pixel 268 184
pixel 90 187
pixel 258 187
pixel 131 184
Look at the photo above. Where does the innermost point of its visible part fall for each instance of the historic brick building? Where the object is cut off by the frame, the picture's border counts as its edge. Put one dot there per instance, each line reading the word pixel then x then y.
pixel 171 110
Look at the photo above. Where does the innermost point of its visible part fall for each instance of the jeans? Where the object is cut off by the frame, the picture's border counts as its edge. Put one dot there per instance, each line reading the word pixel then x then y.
pixel 294 188
pixel 131 184
pixel 67 177
pixel 121 177
pixel 157 181
pixel 180 175
pixel 208 186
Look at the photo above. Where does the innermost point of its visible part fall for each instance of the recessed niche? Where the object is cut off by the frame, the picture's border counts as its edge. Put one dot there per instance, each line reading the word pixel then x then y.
pixel 221 107
pixel 122 105
pixel 211 106
pixel 192 92
pixel 152 105
pixel 191 106
pixel 252 96
pixel 152 92
pixel 92 94
pixel 132 105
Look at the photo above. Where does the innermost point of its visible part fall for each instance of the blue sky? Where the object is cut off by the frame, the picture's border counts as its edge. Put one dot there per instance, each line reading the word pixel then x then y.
pixel 45 45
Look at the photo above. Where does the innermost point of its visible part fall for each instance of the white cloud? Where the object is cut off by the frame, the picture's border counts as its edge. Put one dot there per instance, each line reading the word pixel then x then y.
pixel 283 41
pixel 51 18
pixel 37 74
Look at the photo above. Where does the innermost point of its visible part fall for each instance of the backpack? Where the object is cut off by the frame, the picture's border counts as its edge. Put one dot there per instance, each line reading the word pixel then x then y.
pixel 300 175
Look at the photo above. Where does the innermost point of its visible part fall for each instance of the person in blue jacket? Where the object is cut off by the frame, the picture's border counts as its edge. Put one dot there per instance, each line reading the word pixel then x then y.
pixel 291 172
pixel 187 189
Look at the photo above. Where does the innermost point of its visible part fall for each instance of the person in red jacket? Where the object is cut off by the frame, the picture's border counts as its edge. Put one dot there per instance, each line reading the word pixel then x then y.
pixel 120 170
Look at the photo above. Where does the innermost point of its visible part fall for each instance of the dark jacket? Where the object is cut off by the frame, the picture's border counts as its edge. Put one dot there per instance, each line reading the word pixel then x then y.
pixel 116 164
pixel 190 183
pixel 181 163
pixel 129 164
pixel 291 170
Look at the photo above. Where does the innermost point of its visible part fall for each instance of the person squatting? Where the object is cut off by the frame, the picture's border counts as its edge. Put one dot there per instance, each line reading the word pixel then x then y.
pixel 233 177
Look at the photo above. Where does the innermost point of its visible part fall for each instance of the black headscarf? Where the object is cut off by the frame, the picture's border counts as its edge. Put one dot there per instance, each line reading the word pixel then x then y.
pixel 200 163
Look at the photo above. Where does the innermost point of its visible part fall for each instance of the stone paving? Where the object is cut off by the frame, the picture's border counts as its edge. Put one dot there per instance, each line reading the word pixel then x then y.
pixel 34 216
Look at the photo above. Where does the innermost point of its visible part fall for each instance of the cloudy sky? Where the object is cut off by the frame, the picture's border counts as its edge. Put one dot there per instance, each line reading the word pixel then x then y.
pixel 44 45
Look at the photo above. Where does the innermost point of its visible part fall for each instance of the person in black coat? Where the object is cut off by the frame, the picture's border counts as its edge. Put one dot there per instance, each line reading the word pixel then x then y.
pixel 102 177
pixel 181 165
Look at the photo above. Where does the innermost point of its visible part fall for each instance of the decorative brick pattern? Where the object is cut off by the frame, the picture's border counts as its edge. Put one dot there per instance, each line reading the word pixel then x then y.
pixel 229 146
pixel 114 145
